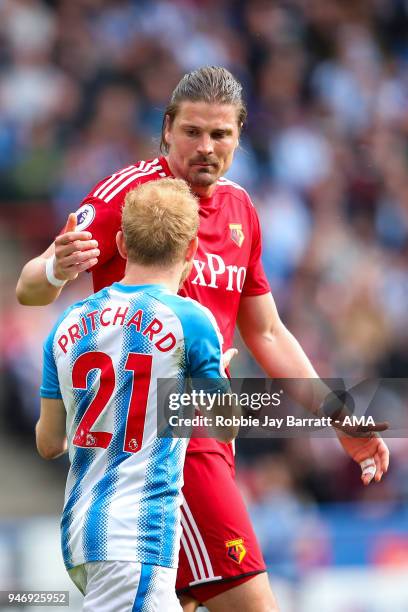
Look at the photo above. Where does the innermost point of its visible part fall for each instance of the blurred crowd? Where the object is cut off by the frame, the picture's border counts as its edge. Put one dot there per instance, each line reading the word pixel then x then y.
pixel 324 156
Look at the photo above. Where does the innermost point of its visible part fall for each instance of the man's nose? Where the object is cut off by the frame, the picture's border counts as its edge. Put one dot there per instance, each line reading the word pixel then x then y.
pixel 205 145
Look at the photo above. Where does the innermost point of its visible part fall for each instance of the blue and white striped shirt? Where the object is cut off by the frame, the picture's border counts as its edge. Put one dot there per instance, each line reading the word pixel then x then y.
pixel 103 358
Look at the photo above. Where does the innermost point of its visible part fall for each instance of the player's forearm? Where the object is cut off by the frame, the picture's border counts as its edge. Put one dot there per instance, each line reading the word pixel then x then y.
pixel 49 447
pixel 221 414
pixel 50 452
pixel 280 355
pixel 71 253
pixel 227 413
pixel 33 288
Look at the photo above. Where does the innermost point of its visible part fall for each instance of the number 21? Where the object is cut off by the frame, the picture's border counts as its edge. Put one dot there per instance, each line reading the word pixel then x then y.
pixel 141 366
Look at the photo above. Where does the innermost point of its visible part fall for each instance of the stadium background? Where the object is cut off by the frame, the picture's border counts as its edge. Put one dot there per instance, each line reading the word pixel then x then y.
pixel 324 156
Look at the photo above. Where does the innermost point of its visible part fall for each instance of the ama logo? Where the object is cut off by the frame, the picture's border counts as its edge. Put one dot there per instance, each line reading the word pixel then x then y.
pixel 85 215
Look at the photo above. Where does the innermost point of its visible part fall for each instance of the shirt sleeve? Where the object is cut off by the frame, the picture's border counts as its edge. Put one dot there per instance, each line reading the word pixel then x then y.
pixel 50 387
pixel 204 350
pixel 256 282
pixel 103 220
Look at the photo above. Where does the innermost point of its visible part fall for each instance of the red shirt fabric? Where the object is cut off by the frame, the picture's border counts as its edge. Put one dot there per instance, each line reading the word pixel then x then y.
pixel 227 264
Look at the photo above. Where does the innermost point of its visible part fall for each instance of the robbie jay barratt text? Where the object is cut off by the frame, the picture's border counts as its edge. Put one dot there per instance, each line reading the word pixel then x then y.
pixel 176 420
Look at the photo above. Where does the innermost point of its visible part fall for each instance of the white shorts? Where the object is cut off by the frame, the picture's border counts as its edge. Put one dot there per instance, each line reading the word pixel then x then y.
pixel 126 586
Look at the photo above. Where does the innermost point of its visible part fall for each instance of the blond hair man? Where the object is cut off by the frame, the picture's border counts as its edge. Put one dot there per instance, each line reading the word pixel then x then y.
pixel 121 517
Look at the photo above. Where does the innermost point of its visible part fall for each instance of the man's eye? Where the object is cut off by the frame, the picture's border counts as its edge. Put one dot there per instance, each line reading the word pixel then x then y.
pixel 191 132
pixel 218 135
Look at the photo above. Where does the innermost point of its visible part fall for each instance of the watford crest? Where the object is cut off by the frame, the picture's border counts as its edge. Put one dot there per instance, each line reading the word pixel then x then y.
pixel 237 235
pixel 236 550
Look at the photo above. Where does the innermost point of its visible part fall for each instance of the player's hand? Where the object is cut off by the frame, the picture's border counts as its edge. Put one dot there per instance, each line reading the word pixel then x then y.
pixel 359 430
pixel 228 356
pixel 371 453
pixel 336 406
pixel 74 251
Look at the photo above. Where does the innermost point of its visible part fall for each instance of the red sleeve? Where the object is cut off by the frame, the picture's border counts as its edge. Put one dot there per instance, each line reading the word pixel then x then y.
pixel 256 282
pixel 103 221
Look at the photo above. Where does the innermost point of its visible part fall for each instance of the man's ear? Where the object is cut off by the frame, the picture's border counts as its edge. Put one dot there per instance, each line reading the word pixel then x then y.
pixel 120 243
pixel 192 249
pixel 167 129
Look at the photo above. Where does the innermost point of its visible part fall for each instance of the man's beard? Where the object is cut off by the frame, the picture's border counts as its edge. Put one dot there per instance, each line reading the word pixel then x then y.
pixel 204 176
pixel 202 179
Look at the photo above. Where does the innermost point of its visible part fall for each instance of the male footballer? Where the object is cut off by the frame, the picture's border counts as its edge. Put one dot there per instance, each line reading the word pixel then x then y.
pixel 201 129
pixel 120 528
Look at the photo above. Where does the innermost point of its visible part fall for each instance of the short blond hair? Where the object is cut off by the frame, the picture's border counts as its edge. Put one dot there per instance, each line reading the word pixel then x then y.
pixel 159 219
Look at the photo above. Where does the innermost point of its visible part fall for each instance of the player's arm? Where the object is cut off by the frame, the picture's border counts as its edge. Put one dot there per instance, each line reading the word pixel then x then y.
pixel 223 405
pixel 207 370
pixel 269 340
pixel 50 430
pixel 42 278
pixel 280 355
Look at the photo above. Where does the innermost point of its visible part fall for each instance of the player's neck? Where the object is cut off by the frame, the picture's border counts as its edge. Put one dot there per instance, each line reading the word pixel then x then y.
pixel 203 192
pixel 150 275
